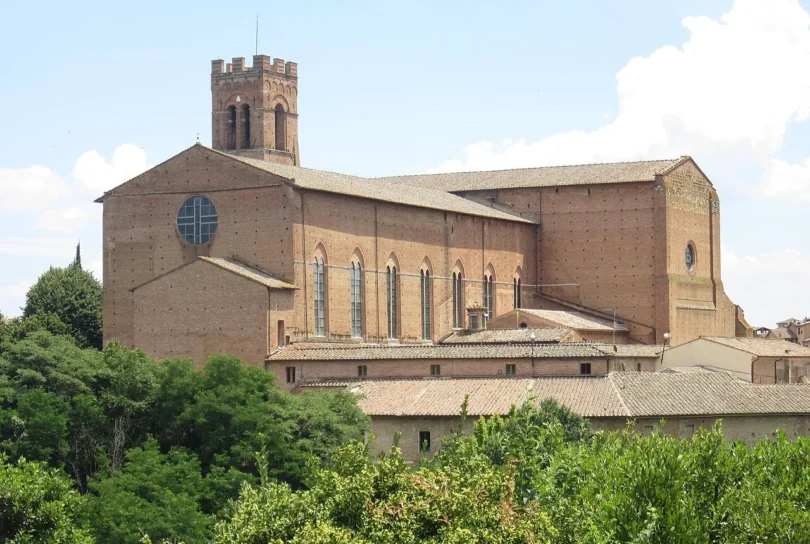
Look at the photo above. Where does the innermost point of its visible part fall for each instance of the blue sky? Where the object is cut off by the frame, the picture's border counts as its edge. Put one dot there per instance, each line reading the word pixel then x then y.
pixel 96 92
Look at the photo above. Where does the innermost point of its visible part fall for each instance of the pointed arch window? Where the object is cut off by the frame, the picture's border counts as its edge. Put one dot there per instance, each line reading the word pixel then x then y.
pixel 356 296
pixel 246 122
pixel 319 277
pixel 489 295
pixel 281 128
pixel 426 304
pixel 458 301
pixel 391 301
pixel 516 293
pixel 231 133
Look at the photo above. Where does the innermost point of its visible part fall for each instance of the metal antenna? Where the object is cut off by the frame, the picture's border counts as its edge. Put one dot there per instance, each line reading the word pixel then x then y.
pixel 257 34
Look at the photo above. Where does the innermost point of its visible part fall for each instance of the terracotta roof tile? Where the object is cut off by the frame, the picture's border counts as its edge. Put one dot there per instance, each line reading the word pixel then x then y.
pixel 377 189
pixel 583 174
pixel 576 320
pixel 507 336
pixel 762 347
pixel 488 396
pixel 620 394
pixel 249 272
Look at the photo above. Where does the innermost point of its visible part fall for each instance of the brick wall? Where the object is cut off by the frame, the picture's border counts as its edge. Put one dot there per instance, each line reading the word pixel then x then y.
pixel 199 310
pixel 383 234
pixel 141 240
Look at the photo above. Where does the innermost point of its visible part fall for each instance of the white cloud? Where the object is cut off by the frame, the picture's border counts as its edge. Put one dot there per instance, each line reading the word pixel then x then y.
pixel 68 219
pixel 12 297
pixel 772 284
pixel 31 188
pixel 58 248
pixel 785 180
pixel 96 266
pixel 736 81
pixel 94 172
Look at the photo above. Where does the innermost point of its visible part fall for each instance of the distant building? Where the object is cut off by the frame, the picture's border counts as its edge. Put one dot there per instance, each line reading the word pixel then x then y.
pixel 792 330
pixel 423 411
pixel 238 249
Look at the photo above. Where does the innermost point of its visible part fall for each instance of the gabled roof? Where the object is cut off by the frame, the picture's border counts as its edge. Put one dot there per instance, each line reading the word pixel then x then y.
pixel 234 266
pixel 620 394
pixel 507 336
pixel 249 272
pixel 546 176
pixel 761 347
pixel 630 350
pixel 487 396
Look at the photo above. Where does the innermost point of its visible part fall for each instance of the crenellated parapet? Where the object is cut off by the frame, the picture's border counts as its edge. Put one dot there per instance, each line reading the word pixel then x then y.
pixel 261 63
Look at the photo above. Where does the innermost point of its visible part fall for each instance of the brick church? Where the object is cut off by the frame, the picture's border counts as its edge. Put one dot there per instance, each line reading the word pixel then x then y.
pixel 238 249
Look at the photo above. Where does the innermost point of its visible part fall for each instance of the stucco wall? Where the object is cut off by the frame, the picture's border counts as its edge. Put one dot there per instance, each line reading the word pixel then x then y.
pixel 749 429
pixel 702 352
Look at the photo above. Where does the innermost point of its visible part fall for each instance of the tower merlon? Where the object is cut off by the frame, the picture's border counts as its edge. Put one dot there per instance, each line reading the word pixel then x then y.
pixel 260 63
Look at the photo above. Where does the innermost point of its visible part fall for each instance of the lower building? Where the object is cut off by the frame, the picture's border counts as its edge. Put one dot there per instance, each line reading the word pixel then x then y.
pixel 424 411
pixel 757 360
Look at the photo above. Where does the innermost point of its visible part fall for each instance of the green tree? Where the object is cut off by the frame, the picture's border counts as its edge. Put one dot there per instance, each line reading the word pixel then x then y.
pixel 37 505
pixel 74 296
pixel 153 493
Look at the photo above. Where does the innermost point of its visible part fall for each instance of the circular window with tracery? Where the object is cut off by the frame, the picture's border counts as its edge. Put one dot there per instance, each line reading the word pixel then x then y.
pixel 690 257
pixel 197 220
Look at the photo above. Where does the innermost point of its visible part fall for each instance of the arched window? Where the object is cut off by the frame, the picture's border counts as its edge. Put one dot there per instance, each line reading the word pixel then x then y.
pixel 516 293
pixel 246 144
pixel 426 303
pixel 458 301
pixel 281 128
pixel 391 301
pixel 355 293
pixel 319 276
pixel 489 293
pixel 231 135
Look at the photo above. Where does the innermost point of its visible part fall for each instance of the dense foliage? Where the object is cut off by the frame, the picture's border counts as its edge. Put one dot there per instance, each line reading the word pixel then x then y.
pixel 36 505
pixel 69 295
pixel 157 447
pixel 113 446
pixel 528 478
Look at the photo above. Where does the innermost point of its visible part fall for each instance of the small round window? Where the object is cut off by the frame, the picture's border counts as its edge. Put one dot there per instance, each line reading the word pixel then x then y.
pixel 197 220
pixel 689 258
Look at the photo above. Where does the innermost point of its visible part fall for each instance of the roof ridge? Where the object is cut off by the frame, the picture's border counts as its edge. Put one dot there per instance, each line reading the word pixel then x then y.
pixel 674 162
pixel 618 394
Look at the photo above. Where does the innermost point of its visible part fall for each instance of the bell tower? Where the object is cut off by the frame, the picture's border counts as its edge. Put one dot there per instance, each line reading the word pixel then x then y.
pixel 255 109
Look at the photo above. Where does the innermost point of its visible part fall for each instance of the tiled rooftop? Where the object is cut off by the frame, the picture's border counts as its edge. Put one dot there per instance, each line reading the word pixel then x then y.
pixel 762 347
pixel 547 176
pixel 376 189
pixel 249 272
pixel 621 394
pixel 507 336
pixel 575 320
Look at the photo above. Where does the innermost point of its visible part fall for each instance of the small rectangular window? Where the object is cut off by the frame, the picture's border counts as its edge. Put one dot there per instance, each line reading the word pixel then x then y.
pixel 688 431
pixel 473 322
pixel 510 370
pixel 424 441
pixel 290 374
pixel 362 370
pixel 585 368
pixel 435 370
pixel 648 429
